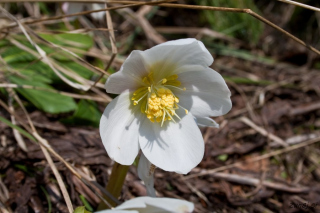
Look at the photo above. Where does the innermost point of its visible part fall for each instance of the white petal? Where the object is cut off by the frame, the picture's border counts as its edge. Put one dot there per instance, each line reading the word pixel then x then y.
pixel 206 121
pixel 177 147
pixel 145 172
pixel 73 8
pixel 117 211
pixel 168 205
pixel 206 95
pixel 130 75
pixel 98 15
pixel 165 58
pixel 157 205
pixel 119 129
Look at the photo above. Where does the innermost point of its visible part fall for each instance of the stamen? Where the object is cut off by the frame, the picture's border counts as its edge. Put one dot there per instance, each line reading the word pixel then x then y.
pixel 158 102
pixel 183 108
pixel 137 101
pixel 183 89
pixel 172 77
pixel 139 90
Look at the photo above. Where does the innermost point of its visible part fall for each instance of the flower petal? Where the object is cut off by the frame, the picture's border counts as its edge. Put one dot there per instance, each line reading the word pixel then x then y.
pixel 157 205
pixel 70 8
pixel 119 130
pixel 206 95
pixel 165 58
pixel 177 147
pixel 206 121
pixel 129 76
pixel 168 205
pixel 145 172
pixel 97 15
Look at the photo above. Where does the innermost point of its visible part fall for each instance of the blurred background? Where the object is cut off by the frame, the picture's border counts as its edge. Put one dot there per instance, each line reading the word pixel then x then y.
pixel 263 158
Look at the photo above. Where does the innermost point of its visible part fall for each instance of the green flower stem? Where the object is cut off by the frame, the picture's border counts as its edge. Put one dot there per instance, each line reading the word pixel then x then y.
pixel 115 183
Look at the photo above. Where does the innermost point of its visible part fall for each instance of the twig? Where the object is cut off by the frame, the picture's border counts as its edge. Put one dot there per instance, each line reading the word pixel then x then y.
pixel 263 131
pixel 248 11
pixel 195 190
pixel 301 5
pixel 255 182
pixel 258 158
pixel 134 4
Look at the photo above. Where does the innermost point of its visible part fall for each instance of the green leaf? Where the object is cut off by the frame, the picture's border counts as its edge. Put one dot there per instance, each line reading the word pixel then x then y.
pixel 81 209
pixel 38 71
pixel 23 132
pixel 86 203
pixel 80 41
pixel 223 157
pixel 13 54
pixel 87 113
pixel 47 101
pixel 48 198
pixel 78 68
pixel 235 24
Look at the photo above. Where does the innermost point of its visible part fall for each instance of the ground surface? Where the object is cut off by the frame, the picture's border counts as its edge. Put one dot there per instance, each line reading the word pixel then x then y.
pixel 275 87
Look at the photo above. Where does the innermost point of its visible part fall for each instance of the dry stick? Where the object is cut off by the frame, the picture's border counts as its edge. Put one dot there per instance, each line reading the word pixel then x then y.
pixel 258 158
pixel 256 182
pixel 263 131
pixel 196 191
pixel 301 5
pixel 48 158
pixel 195 7
pixel 248 11
pixel 88 97
pixel 244 97
pixel 89 12
pixel 78 1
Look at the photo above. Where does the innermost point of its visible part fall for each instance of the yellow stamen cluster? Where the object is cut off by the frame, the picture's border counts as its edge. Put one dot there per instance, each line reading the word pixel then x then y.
pixel 157 101
pixel 161 106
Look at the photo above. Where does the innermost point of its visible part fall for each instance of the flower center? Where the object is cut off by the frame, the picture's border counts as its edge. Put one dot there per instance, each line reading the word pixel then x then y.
pixel 157 101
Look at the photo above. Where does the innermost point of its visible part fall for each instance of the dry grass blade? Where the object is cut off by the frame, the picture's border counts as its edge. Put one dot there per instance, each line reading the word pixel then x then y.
pixel 16 133
pixel 48 157
pixel 68 51
pixel 4 196
pixel 113 45
pixel 42 53
pixel 44 143
pixel 301 5
pixel 77 96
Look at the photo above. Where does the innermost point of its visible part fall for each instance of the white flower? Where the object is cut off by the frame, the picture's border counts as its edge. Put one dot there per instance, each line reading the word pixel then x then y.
pixel 152 205
pixel 164 91
pixel 70 8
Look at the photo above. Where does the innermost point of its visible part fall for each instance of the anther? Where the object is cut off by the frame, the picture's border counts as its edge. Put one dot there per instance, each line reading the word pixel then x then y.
pixel 164 81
